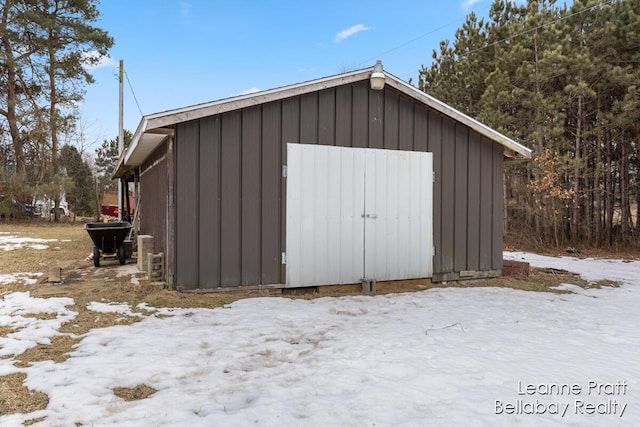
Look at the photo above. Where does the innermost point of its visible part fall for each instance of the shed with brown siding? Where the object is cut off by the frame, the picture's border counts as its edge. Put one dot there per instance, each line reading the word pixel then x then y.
pixel 213 179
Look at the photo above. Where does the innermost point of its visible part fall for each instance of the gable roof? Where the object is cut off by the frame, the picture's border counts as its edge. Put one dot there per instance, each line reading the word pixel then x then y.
pixel 152 129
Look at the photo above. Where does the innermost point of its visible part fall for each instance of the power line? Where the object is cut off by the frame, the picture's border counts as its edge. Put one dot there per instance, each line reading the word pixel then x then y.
pixel 587 9
pixel 410 41
pixel 133 93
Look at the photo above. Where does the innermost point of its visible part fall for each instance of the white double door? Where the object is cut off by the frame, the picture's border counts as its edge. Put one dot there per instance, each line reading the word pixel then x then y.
pixel 355 213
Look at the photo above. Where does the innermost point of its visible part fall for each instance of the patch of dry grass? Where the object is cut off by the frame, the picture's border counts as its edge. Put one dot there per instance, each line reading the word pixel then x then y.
pixel 58 351
pixel 72 246
pixel 138 392
pixel 15 398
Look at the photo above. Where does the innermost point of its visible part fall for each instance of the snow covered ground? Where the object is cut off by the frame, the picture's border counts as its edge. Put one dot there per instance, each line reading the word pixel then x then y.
pixel 9 242
pixel 442 357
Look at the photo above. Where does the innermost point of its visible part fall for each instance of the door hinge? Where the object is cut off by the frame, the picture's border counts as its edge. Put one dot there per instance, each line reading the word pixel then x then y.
pixel 284 171
pixel 284 258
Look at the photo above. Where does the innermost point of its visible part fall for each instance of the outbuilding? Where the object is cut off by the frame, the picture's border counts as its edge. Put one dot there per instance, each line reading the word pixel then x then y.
pixel 357 176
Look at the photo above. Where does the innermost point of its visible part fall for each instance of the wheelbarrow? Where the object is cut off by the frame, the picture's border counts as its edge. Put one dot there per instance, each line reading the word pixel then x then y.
pixel 108 240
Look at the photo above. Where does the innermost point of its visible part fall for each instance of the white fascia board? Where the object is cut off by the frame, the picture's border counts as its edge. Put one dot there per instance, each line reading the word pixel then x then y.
pixel 229 104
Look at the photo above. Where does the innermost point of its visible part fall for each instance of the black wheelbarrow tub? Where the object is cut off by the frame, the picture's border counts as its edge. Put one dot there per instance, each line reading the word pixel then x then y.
pixel 108 239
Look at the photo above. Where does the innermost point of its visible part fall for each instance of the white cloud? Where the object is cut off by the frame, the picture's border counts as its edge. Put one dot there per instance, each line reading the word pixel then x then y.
pixel 345 34
pixel 250 90
pixel 185 9
pixel 93 60
pixel 468 4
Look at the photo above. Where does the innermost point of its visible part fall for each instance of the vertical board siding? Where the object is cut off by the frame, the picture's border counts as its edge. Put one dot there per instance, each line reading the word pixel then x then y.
pixel 447 200
pixel 405 124
pixel 209 200
pixel 473 204
pixel 486 201
pixel 186 206
pixel 231 186
pixel 435 145
pixel 250 197
pixel 154 185
pixel 360 116
pixel 461 198
pixel 327 117
pixel 309 118
pixel 391 121
pixel 420 129
pixel 231 195
pixel 498 206
pixel 343 116
pixel 271 197
pixel 290 120
pixel 376 119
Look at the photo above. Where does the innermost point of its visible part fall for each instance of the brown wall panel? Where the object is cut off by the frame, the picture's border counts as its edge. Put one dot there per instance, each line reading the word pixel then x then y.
pixel 187 205
pixel 327 117
pixel 230 232
pixel 309 118
pixel 209 204
pixel 376 119
pixel 343 116
pixel 461 194
pixel 486 202
pixel 420 128
pixel 290 133
pixel 473 208
pixel 154 191
pixel 360 115
pixel 435 145
pixel 271 200
pixel 498 206
pixel 390 120
pixel 405 124
pixel 448 192
pixel 251 197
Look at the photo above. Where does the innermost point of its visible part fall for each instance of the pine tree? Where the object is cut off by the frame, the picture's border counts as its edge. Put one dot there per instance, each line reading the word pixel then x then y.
pixel 563 81
pixel 106 159
pixel 80 196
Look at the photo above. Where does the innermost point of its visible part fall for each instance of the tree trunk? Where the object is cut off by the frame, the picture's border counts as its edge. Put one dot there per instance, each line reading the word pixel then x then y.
pixel 53 120
pixel 12 97
pixel 598 191
pixel 625 214
pixel 575 217
pixel 587 188
pixel 610 187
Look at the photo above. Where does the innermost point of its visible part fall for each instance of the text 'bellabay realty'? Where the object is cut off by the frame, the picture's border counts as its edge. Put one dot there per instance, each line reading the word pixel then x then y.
pixel 594 398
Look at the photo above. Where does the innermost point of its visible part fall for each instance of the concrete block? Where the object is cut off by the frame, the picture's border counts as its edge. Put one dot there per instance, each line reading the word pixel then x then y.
pixel 155 267
pixel 368 285
pixel 145 247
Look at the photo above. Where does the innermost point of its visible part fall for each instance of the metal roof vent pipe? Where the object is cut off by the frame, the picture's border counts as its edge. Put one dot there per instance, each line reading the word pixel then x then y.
pixel 377 77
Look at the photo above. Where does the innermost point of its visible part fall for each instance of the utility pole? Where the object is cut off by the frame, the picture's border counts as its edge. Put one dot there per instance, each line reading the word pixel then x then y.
pixel 120 134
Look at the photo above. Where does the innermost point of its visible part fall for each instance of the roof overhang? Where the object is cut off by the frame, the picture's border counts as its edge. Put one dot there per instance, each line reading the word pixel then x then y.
pixel 154 128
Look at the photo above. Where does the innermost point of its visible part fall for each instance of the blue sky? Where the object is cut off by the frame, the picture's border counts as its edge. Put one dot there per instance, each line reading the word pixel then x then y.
pixel 184 52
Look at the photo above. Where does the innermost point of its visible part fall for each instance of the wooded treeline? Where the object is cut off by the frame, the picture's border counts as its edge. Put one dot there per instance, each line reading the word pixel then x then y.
pixel 47 49
pixel 564 81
